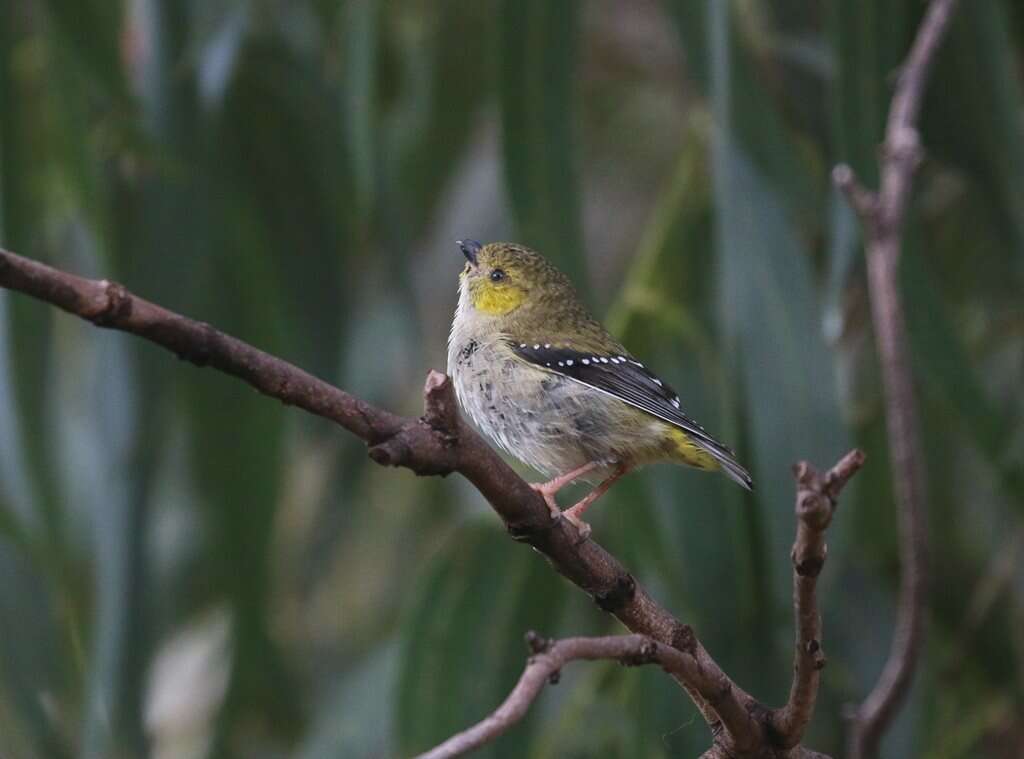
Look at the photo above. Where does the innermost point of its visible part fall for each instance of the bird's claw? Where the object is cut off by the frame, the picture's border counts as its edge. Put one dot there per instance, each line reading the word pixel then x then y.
pixel 556 513
pixel 549 499
pixel 582 527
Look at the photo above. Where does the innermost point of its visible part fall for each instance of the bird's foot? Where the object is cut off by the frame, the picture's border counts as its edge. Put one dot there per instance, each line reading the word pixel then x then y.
pixel 572 515
pixel 548 493
pixel 550 488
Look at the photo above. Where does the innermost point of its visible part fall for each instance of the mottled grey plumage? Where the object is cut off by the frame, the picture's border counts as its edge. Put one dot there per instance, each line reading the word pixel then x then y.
pixel 550 422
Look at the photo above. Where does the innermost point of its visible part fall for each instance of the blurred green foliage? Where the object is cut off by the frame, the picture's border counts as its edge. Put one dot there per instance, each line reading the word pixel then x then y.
pixel 191 570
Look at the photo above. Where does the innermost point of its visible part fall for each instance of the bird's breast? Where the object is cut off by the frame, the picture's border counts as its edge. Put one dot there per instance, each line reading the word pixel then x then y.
pixel 544 419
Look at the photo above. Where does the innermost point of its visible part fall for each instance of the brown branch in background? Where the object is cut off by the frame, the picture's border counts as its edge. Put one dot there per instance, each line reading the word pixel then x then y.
pixel 882 217
pixel 439 442
pixel 544 666
pixel 816 496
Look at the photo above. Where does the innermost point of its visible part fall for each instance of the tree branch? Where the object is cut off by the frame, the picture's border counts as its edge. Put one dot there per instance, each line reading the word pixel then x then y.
pixel 438 443
pixel 108 304
pixel 882 216
pixel 815 506
pixel 549 656
pixel 816 496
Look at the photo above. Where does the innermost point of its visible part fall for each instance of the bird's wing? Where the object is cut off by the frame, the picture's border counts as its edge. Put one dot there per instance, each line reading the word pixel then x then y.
pixel 622 376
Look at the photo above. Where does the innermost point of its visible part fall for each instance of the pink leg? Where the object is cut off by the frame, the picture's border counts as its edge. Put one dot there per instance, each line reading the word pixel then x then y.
pixel 549 489
pixel 574 513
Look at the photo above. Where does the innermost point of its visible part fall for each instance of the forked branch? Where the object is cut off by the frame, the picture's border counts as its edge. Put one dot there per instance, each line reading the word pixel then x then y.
pixel 544 665
pixel 816 501
pixel 882 216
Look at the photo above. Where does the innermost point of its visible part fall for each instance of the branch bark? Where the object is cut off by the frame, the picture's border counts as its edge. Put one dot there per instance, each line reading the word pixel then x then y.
pixel 882 216
pixel 816 496
pixel 439 443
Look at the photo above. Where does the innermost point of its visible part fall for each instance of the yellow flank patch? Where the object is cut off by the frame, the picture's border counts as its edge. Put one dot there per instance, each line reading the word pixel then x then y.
pixel 689 452
pixel 496 299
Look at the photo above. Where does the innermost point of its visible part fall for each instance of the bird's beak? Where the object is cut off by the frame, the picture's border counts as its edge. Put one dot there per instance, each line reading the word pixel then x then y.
pixel 469 248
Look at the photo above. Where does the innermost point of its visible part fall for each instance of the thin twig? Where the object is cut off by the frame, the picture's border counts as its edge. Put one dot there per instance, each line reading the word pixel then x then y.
pixel 816 496
pixel 882 216
pixel 544 667
pixel 437 443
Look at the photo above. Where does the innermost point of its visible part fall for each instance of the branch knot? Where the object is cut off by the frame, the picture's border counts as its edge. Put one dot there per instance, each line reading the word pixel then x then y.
pixel 618 595
pixel 440 410
pixel 646 654
pixel 537 643
pixel 428 446
pixel 683 639
pixel 904 145
pixel 117 305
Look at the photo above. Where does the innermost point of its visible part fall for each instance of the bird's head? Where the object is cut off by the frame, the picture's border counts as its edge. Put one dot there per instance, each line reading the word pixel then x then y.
pixel 501 278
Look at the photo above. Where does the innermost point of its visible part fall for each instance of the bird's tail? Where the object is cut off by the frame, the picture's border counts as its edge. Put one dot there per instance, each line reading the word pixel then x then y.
pixel 732 468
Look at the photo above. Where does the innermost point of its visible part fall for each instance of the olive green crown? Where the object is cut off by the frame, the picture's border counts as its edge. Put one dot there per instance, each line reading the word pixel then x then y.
pixel 552 309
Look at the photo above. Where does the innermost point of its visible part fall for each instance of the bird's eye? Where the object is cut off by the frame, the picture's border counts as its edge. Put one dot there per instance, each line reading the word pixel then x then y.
pixel 497 275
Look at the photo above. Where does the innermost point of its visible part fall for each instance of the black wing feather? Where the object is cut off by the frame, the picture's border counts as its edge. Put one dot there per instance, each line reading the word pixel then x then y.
pixel 623 377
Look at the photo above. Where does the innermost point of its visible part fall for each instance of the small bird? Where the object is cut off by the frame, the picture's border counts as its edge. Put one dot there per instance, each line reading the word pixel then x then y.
pixel 549 385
